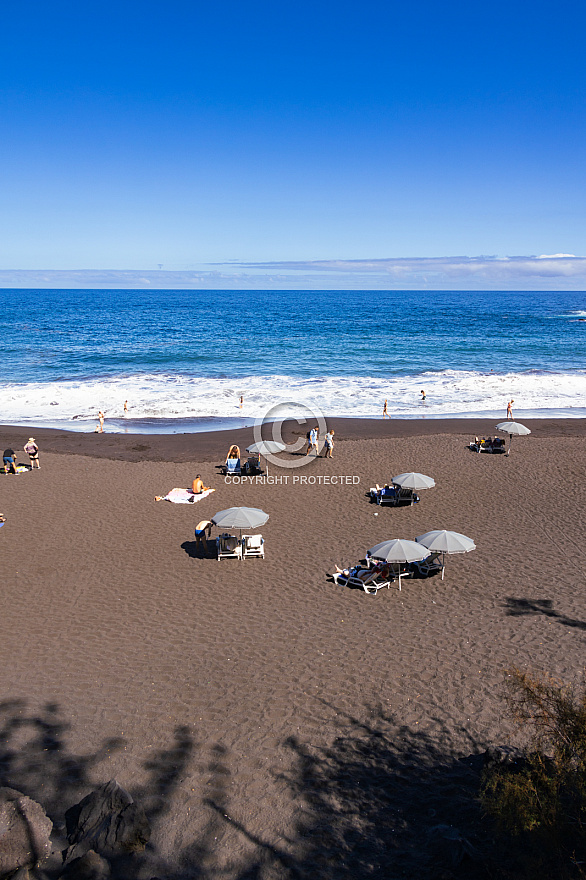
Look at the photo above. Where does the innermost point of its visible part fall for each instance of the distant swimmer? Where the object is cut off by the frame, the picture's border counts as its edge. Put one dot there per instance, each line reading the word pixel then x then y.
pixel 385 412
pixel 510 410
pixel 422 396
pixel 125 406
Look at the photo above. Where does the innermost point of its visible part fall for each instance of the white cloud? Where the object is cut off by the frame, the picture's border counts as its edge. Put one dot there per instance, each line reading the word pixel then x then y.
pixel 543 272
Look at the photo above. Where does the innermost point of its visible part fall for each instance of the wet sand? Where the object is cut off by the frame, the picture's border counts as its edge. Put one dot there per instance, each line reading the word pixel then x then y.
pixel 274 724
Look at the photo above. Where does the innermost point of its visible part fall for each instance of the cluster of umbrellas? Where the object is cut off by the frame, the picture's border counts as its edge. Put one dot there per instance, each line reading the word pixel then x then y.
pixel 442 541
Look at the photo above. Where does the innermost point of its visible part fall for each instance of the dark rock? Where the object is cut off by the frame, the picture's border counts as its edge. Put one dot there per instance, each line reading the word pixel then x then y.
pixel 25 832
pixel 107 821
pixel 91 866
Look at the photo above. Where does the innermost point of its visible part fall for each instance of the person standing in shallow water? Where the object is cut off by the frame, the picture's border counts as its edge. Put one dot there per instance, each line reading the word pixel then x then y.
pixel 510 410
pixel 101 420
pixel 422 396
pixel 385 411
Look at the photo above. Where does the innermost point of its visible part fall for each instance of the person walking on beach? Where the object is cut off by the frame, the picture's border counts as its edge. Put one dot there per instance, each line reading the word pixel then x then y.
pixel 313 434
pixel 329 444
pixel 385 411
pixel 510 410
pixel 32 450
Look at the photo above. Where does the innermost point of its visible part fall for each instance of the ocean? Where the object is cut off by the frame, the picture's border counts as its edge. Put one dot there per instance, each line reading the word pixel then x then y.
pixel 183 358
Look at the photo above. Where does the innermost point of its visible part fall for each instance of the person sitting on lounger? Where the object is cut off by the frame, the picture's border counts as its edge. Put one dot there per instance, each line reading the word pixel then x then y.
pixel 197 487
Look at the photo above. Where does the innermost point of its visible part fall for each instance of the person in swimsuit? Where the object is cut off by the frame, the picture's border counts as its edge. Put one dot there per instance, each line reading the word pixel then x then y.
pixel 200 534
pixel 32 451
pixel 197 487
pixel 385 411
pixel 101 420
pixel 510 410
pixel 422 396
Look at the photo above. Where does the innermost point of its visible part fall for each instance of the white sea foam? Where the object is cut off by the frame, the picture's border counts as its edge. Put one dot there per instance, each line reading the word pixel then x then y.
pixel 168 397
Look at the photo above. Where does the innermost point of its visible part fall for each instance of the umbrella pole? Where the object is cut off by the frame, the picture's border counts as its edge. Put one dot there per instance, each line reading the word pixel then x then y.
pixel 443 565
pixel 510 441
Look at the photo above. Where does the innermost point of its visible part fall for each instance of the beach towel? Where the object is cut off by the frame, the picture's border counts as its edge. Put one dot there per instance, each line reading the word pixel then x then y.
pixel 184 496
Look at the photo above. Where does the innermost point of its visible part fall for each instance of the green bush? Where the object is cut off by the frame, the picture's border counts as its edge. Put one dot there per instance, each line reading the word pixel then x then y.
pixel 539 797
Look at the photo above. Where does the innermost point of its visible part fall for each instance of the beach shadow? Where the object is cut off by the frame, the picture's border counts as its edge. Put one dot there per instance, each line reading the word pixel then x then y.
pixel 196 551
pixel 382 801
pixel 36 760
pixel 523 607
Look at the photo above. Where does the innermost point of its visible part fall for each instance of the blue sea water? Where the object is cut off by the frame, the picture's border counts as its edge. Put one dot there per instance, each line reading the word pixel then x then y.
pixel 183 358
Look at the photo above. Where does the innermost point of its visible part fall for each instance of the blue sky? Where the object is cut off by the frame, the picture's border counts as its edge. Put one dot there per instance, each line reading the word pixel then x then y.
pixel 237 138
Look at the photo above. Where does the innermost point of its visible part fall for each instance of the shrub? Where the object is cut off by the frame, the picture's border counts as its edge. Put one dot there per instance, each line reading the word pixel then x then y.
pixel 541 794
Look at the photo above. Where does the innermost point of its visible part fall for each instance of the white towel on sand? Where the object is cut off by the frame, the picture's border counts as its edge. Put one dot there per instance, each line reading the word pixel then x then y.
pixel 185 496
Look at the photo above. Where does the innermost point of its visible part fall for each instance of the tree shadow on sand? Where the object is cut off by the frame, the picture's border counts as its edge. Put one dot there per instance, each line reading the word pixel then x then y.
pixel 382 801
pixel 544 607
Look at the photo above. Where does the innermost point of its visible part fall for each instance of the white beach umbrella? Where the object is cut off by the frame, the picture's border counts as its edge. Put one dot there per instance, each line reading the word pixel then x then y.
pixel 443 541
pixel 399 550
pixel 511 428
pixel 414 481
pixel 266 448
pixel 240 518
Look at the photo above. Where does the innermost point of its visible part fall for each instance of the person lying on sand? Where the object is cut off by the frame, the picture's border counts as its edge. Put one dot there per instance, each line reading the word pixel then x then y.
pixel 197 487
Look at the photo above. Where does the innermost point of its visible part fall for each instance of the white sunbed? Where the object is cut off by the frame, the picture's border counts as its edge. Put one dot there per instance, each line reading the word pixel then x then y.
pixel 229 547
pixel 366 579
pixel 253 545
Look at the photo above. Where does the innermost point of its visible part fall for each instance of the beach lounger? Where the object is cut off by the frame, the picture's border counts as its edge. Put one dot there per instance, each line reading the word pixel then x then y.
pixel 429 566
pixel 229 547
pixel 386 495
pixel 367 579
pixel 407 496
pixel 253 545
pixel 497 446
pixel 232 466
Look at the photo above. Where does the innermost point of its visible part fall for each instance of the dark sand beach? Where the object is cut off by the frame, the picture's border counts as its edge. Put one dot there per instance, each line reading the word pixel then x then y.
pixel 274 724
